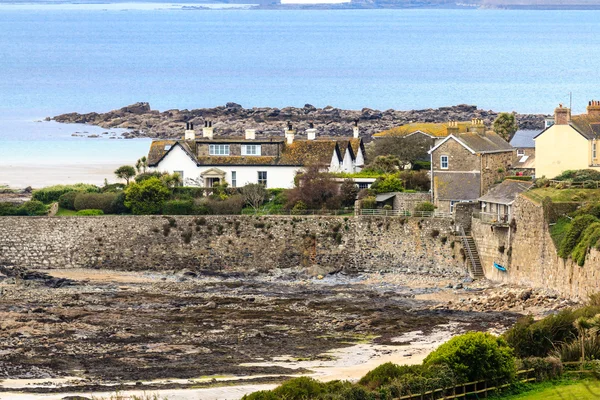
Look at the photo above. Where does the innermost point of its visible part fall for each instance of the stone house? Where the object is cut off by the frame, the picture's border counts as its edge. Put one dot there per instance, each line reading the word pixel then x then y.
pixel 524 144
pixel 465 165
pixel 496 204
pixel 271 160
pixel 571 143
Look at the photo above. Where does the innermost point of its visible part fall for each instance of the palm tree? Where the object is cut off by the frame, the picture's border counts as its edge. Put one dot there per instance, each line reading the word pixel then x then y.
pixel 583 325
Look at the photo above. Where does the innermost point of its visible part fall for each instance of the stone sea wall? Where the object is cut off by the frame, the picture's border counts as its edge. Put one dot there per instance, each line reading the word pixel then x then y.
pixel 313 245
pixel 528 252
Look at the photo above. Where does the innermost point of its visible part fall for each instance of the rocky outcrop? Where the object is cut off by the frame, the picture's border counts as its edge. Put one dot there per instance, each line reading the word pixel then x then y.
pixel 233 119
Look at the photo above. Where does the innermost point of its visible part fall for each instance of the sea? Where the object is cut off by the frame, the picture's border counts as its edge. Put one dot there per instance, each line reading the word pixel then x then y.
pixel 64 57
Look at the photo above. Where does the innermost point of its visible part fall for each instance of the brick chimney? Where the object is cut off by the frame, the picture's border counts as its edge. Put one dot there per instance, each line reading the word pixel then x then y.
pixel 311 132
pixel 477 126
pixel 289 133
pixel 250 134
pixel 593 109
pixel 452 128
pixel 355 130
pixel 562 115
pixel 207 131
pixel 189 134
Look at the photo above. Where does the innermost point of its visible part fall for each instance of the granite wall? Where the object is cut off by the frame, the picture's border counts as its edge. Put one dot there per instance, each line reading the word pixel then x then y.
pixel 308 244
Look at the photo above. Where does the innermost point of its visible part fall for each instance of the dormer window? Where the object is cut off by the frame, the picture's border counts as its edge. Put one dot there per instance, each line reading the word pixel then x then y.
pixel 251 150
pixel 218 150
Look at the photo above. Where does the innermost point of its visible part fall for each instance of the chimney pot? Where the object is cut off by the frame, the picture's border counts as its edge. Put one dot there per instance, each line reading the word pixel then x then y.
pixel 207 131
pixel 311 133
pixel 189 133
pixel 562 115
pixel 289 133
pixel 593 109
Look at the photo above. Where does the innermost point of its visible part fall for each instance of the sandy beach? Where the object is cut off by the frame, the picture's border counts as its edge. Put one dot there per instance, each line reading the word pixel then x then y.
pixel 19 176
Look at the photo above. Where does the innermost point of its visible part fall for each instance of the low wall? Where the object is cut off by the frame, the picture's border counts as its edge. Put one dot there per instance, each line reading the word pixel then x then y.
pixel 315 244
pixel 530 255
pixel 408 201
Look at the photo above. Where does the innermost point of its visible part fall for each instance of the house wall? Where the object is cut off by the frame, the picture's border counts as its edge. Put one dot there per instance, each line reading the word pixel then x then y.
pixel 235 149
pixel 408 201
pixel 561 148
pixel 459 158
pixel 494 167
pixel 300 244
pixel 528 151
pixel 178 160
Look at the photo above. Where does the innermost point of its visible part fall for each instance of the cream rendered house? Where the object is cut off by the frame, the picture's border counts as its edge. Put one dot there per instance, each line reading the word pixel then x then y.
pixel 571 143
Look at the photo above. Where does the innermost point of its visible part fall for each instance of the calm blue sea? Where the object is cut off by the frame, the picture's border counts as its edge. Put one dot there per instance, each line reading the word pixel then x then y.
pixel 56 59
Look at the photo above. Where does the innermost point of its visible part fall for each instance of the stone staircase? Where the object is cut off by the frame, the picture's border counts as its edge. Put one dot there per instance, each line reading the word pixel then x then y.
pixel 475 268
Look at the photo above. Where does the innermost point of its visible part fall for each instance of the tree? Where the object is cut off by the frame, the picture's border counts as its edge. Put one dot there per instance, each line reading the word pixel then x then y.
pixel 254 194
pixel 146 197
pixel 172 180
pixel 506 126
pixel 387 184
pixel 315 189
pixel 384 165
pixel 348 192
pixel 141 165
pixel 125 172
pixel 407 148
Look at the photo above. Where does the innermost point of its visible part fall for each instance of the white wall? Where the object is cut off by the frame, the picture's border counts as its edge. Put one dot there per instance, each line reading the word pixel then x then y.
pixel 277 176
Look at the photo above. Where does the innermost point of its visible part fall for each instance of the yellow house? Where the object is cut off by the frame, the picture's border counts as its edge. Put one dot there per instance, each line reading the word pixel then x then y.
pixel 571 143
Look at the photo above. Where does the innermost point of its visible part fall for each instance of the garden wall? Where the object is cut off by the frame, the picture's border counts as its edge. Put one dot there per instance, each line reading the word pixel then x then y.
pixel 311 244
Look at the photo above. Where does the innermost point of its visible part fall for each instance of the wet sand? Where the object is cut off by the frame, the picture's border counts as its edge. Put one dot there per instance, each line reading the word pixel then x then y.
pixel 19 176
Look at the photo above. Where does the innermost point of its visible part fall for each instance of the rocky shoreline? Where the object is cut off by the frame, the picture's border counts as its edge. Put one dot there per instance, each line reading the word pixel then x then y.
pixel 232 119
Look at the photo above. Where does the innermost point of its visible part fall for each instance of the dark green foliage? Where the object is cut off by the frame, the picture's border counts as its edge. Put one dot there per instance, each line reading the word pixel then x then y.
pixel 125 172
pixel 146 197
pixel 229 206
pixel 580 175
pixel 421 380
pixel 519 178
pixel 385 373
pixel 192 192
pixel 113 188
pixel 475 356
pixel 590 184
pixel 369 203
pixel 147 175
pixel 52 193
pixel 415 180
pixel 261 395
pixel 187 236
pixel 531 338
pixel 573 234
pixel 67 200
pixel 178 207
pixel 544 368
pixel 571 351
pixel 588 239
pixel 506 125
pixel 90 212
pixel 95 201
pixel 559 230
pixel 33 208
pixel 299 389
pixel 9 209
pixel 118 204
pixel 425 206
pixel 588 209
pixel 348 192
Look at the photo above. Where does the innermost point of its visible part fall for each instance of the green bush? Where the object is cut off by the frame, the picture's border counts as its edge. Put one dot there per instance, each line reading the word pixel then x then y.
pixel 178 207
pixel 519 178
pixel 95 201
pixel 261 395
pixel 146 197
pixel 33 208
pixel 299 208
pixel 421 380
pixel 545 369
pixel 148 175
pixel 425 206
pixel 118 204
pixel 588 209
pixel 52 193
pixel 388 183
pixel 368 203
pixel 229 206
pixel 67 200
pixel 588 239
pixel 9 209
pixel 299 389
pixel 192 192
pixel 542 182
pixel 573 234
pixel 571 351
pixel 475 356
pixel 590 185
pixel 387 372
pixel 90 212
pixel 581 175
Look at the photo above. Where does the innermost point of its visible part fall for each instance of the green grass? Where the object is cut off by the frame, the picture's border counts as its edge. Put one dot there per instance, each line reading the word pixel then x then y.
pixel 563 195
pixel 559 230
pixel 562 390
pixel 63 212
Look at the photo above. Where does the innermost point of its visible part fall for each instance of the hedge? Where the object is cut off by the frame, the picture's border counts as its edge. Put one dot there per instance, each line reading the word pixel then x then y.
pixel 95 201
pixel 90 212
pixel 178 207
pixel 30 208
pixel 52 193
pixel 67 200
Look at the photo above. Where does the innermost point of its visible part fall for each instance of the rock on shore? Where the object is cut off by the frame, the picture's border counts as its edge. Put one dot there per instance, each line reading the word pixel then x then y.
pixel 233 119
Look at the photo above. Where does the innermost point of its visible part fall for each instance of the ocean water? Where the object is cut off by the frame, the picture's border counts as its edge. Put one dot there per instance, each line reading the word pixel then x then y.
pixel 62 58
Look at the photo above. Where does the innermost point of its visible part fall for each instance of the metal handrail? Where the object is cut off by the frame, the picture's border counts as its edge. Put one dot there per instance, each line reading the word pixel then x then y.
pixel 405 213
pixel 463 237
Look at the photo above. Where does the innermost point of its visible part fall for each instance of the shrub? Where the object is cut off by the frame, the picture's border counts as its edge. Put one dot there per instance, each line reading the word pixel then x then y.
pixel 542 182
pixel 588 239
pixel 422 380
pixel 146 197
pixel 52 193
pixel 178 207
pixel 299 389
pixel 415 180
pixel 90 212
pixel 348 192
pixel 435 233
pixel 95 201
pixel 184 191
pixel 425 206
pixel 299 208
pixel 368 203
pixel 573 233
pixel 389 183
pixel 229 206
pixel 147 175
pixel 519 178
pixel 261 395
pixel 118 204
pixel 7 209
pixel 571 351
pixel 581 175
pixel 475 356
pixel 590 185
pixel 67 200
pixel 33 208
pixel 113 188
pixel 385 373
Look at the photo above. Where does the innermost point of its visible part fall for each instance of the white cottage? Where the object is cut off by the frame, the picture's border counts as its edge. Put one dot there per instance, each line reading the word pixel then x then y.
pixel 271 160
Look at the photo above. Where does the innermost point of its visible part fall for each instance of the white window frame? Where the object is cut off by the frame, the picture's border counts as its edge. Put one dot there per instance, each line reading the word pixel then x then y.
pixel 594 151
pixel 442 161
pixel 218 149
pixel 262 181
pixel 233 179
pixel 255 150
pixel 520 152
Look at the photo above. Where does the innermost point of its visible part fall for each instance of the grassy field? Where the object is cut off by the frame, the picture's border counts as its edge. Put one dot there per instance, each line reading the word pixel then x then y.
pixel 576 390
pixel 563 195
pixel 62 212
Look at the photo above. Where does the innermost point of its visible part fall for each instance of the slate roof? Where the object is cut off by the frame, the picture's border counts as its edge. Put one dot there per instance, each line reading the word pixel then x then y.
pixel 588 126
pixel 381 197
pixel 457 185
pixel 525 162
pixel 524 138
pixel 506 192
pixel 160 148
pixel 488 142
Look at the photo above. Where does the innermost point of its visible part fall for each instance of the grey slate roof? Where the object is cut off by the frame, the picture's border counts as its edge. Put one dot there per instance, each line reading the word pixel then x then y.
pixel 488 142
pixel 381 197
pixel 506 192
pixel 457 185
pixel 524 138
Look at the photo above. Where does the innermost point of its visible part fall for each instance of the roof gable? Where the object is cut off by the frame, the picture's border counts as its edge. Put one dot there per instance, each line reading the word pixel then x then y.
pixel 451 137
